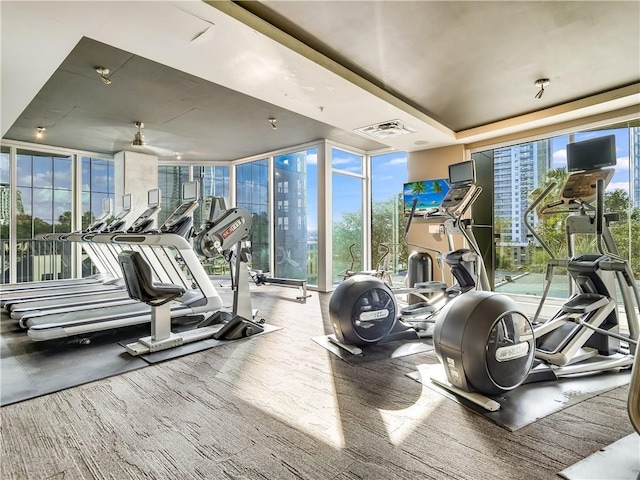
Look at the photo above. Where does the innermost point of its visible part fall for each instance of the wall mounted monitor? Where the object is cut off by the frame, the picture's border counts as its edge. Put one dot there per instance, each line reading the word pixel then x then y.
pixel 189 191
pixel 153 197
pixel 462 173
pixel 429 193
pixel 126 202
pixel 591 154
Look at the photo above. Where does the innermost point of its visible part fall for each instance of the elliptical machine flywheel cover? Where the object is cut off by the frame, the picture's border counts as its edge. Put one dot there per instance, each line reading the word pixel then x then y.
pixel 484 343
pixel 362 310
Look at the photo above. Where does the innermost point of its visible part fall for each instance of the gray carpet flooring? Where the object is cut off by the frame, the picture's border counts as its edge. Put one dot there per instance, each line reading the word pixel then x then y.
pixel 282 407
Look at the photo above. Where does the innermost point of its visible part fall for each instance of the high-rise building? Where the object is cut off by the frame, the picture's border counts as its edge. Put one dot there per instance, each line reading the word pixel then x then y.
pixel 291 215
pixel 517 170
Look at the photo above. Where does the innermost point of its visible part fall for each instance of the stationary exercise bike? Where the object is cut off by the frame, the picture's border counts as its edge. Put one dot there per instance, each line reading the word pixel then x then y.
pixel 487 346
pixel 363 309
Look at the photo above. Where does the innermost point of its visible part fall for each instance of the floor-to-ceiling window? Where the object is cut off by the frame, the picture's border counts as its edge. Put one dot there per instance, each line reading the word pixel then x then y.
pixel 347 212
pixel 295 197
pixel 170 180
pixel 55 191
pixel 252 193
pixel 44 205
pixel 5 212
pixel 214 182
pixel 97 185
pixel 521 173
pixel 388 248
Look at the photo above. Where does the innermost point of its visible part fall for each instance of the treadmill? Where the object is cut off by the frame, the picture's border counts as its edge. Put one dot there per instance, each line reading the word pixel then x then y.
pixel 173 261
pixel 76 301
pixel 9 288
pixel 56 288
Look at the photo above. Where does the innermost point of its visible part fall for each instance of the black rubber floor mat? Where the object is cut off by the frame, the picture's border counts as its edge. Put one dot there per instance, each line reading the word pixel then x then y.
pixel 532 401
pixel 31 369
pixel 378 352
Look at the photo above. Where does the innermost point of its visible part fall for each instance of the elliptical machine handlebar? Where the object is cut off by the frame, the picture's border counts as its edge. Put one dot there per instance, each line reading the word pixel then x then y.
pixel 531 208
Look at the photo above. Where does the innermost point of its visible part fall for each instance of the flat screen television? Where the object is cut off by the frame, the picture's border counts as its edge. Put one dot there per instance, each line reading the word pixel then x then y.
pixel 462 173
pixel 429 193
pixel 591 154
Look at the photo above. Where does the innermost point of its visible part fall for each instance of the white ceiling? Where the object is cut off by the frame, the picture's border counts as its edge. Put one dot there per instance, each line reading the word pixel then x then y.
pixel 205 77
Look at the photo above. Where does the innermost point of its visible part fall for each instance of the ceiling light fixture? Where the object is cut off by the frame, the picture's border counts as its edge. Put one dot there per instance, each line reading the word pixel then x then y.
pixel 541 83
pixel 103 71
pixel 178 156
pixel 138 138
pixel 272 121
pixel 40 131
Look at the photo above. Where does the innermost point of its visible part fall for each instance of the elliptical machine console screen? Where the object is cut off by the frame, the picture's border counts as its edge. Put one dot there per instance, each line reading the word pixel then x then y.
pixel 462 177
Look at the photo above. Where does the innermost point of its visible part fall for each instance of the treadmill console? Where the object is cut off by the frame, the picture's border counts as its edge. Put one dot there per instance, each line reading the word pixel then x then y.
pixel 145 220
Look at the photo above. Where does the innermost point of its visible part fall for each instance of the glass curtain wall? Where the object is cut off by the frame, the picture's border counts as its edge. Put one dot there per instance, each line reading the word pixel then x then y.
pixel 97 184
pixel 214 182
pixel 170 180
pixel 44 205
pixel 296 213
pixel 5 212
pixel 521 173
pixel 98 179
pixel 347 212
pixel 252 193
pixel 388 248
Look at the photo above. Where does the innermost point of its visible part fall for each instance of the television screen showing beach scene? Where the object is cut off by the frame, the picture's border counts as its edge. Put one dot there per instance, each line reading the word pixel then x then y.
pixel 429 193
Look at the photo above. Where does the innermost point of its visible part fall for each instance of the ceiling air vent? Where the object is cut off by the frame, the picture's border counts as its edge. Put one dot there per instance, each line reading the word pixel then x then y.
pixel 392 128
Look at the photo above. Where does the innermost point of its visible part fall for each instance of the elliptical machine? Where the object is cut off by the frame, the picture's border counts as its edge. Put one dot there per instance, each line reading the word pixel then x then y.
pixel 489 347
pixel 363 309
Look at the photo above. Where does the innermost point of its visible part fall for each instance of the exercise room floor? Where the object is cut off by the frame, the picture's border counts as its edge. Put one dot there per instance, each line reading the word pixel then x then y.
pixel 279 406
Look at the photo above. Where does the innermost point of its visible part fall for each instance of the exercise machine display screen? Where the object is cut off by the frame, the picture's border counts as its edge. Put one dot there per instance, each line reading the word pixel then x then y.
pixel 189 191
pixel 106 206
pixel 461 173
pixel 591 154
pixel 126 202
pixel 153 197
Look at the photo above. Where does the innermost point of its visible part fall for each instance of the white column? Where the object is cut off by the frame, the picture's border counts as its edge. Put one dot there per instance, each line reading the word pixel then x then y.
pixel 135 173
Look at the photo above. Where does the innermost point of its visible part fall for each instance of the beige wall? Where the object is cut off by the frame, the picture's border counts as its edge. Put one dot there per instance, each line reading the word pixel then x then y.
pixel 427 165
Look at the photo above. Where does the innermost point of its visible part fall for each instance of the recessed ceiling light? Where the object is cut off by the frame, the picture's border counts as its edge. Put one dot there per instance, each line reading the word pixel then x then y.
pixel 40 131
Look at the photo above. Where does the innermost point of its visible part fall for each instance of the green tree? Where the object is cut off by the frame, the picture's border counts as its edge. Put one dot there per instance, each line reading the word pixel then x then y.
pixel 551 227
pixel 387 226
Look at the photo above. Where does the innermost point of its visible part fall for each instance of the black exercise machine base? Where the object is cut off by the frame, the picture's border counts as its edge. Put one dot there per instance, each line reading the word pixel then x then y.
pixel 532 401
pixel 376 352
